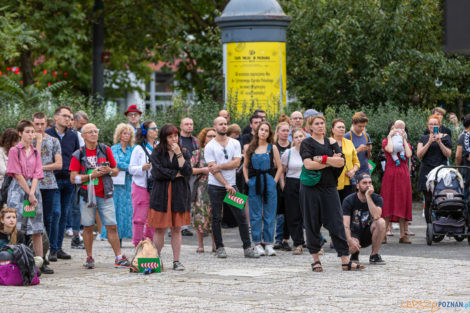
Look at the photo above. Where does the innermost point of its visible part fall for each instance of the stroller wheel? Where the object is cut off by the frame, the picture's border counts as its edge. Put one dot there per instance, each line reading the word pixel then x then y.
pixel 429 234
pixel 459 238
pixel 438 238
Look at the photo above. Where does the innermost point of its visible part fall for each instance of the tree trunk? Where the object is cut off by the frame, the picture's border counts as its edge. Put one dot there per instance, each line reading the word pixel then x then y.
pixel 460 106
pixel 26 67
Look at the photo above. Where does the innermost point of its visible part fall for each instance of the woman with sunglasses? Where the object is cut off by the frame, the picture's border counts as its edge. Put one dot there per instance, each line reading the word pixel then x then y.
pixel 200 218
pixel 139 168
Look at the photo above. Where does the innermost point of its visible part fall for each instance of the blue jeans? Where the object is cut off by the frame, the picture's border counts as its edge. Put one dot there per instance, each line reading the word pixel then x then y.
pixel 262 213
pixel 74 215
pixel 51 215
pixel 279 227
pixel 66 192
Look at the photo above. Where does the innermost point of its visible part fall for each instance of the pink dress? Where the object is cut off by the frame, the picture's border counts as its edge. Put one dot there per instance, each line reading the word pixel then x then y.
pixel 396 189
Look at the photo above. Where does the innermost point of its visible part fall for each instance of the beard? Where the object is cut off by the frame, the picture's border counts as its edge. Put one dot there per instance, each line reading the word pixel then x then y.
pixel 222 133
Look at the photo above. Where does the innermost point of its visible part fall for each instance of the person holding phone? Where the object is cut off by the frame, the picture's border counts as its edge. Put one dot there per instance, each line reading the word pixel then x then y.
pixel 361 141
pixel 433 149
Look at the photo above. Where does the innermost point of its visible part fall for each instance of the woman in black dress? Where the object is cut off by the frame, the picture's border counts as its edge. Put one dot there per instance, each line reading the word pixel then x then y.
pixel 320 203
pixel 434 149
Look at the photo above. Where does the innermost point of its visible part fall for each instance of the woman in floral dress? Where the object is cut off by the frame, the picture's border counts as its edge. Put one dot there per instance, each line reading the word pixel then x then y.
pixel 201 212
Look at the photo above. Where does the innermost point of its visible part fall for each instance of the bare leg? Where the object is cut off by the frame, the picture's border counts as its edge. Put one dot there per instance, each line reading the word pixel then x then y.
pixel 159 238
pixel 113 239
pixel 88 239
pixel 176 242
pixel 37 244
pixel 402 227
pixel 247 213
pixel 378 229
pixel 200 239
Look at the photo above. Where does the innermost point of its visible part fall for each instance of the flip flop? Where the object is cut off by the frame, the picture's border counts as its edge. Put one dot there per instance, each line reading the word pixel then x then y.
pixel 389 233
pixel 409 233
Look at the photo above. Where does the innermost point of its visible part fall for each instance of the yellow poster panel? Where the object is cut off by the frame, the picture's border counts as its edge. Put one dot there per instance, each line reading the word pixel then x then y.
pixel 255 77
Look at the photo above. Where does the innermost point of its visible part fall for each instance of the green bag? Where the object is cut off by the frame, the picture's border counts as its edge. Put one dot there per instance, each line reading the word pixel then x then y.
pixel 28 210
pixel 238 200
pixel 309 178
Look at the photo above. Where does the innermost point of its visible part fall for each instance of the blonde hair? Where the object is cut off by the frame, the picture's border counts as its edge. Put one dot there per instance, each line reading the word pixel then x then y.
pixel 276 136
pixel 296 130
pixel 310 119
pixel 233 128
pixel 120 129
pixel 14 233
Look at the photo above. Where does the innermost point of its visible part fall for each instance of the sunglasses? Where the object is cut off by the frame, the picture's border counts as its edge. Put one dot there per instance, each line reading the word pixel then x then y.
pixel 225 154
pixel 153 128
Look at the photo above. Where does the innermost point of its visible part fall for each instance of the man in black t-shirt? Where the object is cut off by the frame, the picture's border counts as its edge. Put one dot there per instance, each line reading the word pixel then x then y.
pixel 362 220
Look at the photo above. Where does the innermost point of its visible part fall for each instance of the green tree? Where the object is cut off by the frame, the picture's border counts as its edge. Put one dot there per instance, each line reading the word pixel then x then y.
pixel 371 52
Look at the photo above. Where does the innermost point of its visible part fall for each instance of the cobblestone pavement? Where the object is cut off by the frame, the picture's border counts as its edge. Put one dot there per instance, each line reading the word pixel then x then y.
pixel 269 284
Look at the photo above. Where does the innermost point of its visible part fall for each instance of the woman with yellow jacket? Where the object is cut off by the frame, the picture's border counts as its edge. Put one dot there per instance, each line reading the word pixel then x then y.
pixel 346 179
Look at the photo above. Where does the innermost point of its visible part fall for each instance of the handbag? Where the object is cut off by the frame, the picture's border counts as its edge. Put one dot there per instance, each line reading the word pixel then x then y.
pixel 145 249
pixel 309 178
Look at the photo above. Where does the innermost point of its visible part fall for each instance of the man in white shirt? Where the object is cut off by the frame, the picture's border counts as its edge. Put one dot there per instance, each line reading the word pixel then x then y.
pixel 223 155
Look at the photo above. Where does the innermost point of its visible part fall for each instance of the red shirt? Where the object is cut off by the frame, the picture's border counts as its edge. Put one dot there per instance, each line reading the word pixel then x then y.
pixel 92 164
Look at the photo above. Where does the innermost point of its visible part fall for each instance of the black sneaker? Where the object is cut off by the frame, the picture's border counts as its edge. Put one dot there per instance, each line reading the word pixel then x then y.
pixel 61 254
pixel 186 232
pixel 376 259
pixel 277 245
pixel 285 246
pixel 46 269
pixel 53 256
pixel 355 257
pixel 77 243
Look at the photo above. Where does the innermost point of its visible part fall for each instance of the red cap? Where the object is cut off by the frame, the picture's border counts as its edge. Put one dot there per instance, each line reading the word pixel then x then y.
pixel 132 108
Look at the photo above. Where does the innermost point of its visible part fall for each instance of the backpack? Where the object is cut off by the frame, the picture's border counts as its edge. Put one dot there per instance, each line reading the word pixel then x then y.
pixel 6 183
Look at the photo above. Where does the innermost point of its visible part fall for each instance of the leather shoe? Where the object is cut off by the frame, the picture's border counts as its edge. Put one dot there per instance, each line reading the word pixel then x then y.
pixel 404 239
pixel 52 256
pixel 62 255
pixel 46 269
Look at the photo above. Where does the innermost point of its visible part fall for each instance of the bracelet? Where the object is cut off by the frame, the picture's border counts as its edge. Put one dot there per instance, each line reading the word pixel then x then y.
pixel 179 155
pixel 323 159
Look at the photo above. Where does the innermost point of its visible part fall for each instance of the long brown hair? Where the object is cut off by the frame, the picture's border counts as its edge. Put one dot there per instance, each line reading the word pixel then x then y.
pixel 14 233
pixel 9 139
pixel 255 141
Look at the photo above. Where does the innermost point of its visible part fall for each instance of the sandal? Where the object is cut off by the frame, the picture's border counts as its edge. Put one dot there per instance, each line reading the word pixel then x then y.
pixel 409 233
pixel 200 250
pixel 321 252
pixel 389 233
pixel 349 267
pixel 317 268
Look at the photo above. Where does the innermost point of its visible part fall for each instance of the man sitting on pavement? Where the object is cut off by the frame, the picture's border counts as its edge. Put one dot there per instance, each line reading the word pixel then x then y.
pixel 362 220
pixel 95 163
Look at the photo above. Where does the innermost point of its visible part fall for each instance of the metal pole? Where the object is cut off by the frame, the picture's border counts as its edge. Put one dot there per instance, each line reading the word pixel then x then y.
pixel 97 88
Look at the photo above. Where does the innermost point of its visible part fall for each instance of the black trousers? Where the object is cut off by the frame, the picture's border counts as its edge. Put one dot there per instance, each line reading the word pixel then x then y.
pixel 216 196
pixel 346 191
pixel 321 206
pixel 293 215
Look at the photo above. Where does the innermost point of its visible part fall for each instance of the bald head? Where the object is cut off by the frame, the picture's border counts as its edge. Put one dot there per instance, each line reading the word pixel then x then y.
pixel 90 134
pixel 224 113
pixel 296 119
pixel 220 125
pixel 88 127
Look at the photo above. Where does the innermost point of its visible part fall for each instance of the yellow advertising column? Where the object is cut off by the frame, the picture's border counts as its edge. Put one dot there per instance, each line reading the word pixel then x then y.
pixel 255 76
pixel 254 50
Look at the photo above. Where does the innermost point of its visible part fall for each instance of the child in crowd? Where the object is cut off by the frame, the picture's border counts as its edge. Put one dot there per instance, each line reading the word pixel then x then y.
pixel 397 139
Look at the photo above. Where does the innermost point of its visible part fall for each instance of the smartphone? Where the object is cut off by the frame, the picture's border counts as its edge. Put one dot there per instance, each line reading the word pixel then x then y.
pixel 369 143
pixel 104 164
pixel 435 130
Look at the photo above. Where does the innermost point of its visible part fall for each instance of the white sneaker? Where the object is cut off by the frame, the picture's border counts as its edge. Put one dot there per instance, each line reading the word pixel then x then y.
pixel 69 232
pixel 98 237
pixel 260 250
pixel 270 251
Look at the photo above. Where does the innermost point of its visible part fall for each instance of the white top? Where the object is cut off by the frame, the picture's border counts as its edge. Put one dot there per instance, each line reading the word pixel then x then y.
pixel 214 152
pixel 81 141
pixel 294 168
pixel 139 159
pixel 3 165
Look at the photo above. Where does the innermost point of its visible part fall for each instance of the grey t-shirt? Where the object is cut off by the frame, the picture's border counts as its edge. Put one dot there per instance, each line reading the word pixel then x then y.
pixel 362 156
pixel 49 148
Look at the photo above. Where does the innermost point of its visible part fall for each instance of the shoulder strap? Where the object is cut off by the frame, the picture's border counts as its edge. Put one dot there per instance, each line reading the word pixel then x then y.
pixel 104 149
pixel 350 134
pixel 145 150
pixel 365 135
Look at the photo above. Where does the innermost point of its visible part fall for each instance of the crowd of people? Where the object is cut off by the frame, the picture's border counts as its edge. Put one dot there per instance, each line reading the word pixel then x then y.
pixel 160 180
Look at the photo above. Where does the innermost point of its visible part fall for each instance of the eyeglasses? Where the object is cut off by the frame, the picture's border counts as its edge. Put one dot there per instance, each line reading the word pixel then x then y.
pixel 95 132
pixel 297 118
pixel 153 128
pixel 210 136
pixel 133 114
pixel 225 154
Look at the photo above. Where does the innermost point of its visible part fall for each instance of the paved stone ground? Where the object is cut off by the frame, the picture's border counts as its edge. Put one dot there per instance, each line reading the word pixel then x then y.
pixel 270 284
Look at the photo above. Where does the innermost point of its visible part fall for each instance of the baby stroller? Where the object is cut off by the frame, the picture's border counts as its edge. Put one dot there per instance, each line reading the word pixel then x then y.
pixel 448 213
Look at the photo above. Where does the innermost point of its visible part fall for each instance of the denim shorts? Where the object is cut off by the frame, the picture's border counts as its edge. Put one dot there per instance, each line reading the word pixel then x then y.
pixel 105 209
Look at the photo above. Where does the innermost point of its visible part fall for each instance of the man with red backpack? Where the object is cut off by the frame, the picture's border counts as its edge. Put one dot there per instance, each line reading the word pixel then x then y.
pixel 94 165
